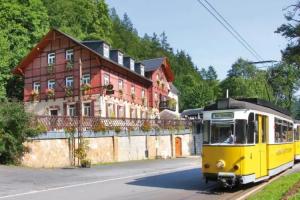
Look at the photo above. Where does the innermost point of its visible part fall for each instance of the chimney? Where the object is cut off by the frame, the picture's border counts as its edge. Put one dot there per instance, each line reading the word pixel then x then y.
pixel 139 68
pixel 117 56
pixel 100 47
pixel 129 63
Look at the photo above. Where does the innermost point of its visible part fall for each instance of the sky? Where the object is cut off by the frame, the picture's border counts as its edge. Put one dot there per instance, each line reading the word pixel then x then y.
pixel 191 28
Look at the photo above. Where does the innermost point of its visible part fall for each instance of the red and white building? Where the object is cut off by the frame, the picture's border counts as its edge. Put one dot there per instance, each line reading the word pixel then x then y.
pixel 113 85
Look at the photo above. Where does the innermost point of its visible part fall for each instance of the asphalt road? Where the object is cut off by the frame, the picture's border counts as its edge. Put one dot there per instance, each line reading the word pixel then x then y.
pixel 149 179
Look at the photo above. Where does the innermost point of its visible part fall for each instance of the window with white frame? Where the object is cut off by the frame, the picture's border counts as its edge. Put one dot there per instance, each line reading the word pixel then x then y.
pixel 121 84
pixel 110 110
pixel 70 55
pixel 155 96
pixel 132 91
pixel 51 58
pixel 86 79
pixel 105 50
pixel 132 64
pixel 121 111
pixel 69 82
pixel 87 109
pixel 71 110
pixel 133 113
pixel 143 93
pixel 37 87
pixel 142 70
pixel 120 58
pixel 51 84
pixel 106 79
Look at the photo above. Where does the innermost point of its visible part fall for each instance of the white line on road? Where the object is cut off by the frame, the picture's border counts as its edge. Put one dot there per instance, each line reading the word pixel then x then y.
pixel 100 181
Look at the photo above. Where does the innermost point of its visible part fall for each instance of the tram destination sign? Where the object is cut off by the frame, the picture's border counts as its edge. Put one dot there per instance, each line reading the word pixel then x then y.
pixel 222 115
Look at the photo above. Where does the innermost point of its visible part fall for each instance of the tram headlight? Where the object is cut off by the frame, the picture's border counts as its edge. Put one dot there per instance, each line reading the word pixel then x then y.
pixel 220 164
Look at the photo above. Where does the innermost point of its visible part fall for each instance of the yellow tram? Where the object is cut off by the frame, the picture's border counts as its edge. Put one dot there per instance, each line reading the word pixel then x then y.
pixel 246 140
pixel 297 140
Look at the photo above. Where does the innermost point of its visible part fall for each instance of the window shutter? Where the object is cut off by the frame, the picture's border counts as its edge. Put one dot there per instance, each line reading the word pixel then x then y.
pixel 92 108
pixel 65 109
pixel 77 109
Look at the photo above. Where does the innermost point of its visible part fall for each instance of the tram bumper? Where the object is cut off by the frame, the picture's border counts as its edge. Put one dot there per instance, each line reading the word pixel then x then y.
pixel 227 179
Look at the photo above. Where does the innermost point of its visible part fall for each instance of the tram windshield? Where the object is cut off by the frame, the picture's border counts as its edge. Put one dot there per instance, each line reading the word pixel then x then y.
pixel 226 132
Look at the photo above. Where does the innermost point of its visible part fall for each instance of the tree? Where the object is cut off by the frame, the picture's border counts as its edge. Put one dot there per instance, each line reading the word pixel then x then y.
pixel 290 31
pixel 284 79
pixel 242 68
pixel 83 19
pixel 22 24
pixel 244 80
pixel 15 128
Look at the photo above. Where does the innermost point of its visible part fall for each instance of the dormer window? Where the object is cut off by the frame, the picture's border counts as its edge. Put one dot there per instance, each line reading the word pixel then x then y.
pixel 105 50
pixel 51 58
pixel 70 55
pixel 142 70
pixel 120 58
pixel 132 64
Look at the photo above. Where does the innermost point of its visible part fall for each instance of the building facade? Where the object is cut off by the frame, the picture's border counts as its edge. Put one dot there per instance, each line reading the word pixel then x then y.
pixel 111 84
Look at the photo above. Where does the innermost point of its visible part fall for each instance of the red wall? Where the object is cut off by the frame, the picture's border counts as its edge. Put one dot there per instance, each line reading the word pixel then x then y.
pixel 37 71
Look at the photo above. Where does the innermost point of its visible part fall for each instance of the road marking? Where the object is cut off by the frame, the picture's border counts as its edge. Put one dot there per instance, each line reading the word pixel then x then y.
pixel 100 181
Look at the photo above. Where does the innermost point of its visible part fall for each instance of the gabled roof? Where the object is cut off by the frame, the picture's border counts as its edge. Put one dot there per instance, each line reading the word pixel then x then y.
pixel 173 89
pixel 192 112
pixel 19 69
pixel 155 63
pixel 152 64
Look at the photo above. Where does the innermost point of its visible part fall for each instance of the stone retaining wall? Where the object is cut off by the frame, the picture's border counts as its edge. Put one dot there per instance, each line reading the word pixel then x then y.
pixel 55 152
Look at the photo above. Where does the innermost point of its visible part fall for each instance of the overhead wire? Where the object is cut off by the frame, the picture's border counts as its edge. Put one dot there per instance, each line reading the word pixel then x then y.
pixel 233 29
pixel 235 35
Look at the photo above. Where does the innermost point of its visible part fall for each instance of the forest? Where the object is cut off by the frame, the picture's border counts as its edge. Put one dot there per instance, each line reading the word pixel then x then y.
pixel 24 22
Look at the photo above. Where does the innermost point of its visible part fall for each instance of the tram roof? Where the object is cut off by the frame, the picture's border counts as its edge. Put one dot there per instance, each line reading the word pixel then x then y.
pixel 249 103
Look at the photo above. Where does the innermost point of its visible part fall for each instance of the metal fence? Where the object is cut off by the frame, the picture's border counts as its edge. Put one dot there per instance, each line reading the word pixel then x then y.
pixel 98 124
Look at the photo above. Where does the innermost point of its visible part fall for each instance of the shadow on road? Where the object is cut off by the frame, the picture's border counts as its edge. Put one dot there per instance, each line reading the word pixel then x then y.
pixel 186 180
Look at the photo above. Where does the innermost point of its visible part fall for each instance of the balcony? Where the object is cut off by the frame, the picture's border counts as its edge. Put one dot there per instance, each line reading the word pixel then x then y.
pixel 169 104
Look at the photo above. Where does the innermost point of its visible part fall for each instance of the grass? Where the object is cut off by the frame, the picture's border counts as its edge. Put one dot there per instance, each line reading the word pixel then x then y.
pixel 276 189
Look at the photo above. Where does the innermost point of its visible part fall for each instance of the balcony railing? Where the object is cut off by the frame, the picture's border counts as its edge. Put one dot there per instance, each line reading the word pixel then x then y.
pixel 51 123
pixel 167 105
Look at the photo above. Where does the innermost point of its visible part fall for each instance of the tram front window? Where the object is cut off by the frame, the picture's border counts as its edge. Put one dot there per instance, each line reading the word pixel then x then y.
pixel 225 132
pixel 222 133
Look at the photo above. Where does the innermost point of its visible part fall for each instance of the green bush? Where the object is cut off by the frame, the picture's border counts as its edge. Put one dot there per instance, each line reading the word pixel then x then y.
pixel 15 127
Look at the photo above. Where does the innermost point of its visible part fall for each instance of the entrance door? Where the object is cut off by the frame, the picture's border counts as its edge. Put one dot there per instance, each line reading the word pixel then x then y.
pixel 262 133
pixel 178 147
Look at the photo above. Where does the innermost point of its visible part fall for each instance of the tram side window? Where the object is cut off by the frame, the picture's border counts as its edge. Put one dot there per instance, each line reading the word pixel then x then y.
pixel 251 128
pixel 297 133
pixel 240 131
pixel 264 128
pixel 290 133
pixel 256 129
pixel 277 130
pixel 206 132
pixel 283 131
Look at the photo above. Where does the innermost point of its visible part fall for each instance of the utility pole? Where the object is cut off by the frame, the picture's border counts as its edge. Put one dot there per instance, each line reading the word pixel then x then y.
pixel 80 119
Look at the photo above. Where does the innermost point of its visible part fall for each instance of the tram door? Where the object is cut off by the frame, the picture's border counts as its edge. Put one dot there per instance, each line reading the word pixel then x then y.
pixel 262 124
